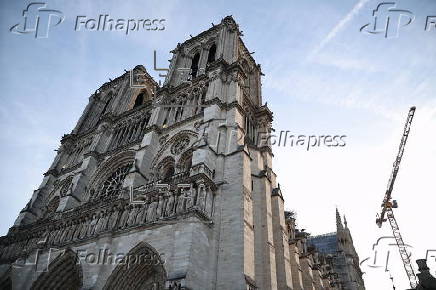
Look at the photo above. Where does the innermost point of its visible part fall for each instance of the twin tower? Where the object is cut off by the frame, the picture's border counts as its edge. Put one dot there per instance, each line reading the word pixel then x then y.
pixel 163 187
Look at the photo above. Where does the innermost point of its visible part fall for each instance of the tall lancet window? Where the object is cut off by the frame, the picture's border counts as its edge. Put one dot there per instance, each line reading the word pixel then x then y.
pixel 139 100
pixel 212 52
pixel 194 65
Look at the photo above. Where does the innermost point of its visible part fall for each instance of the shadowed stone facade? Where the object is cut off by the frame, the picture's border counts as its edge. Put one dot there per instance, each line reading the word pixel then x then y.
pixel 165 187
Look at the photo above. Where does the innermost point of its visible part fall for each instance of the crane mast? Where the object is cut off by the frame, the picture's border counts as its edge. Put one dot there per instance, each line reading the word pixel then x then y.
pixel 388 205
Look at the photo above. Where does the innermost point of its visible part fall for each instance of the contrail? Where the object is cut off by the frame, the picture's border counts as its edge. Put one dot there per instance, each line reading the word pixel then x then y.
pixel 332 34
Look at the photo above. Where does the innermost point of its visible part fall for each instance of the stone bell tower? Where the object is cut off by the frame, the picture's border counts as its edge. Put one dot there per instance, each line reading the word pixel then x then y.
pixel 178 173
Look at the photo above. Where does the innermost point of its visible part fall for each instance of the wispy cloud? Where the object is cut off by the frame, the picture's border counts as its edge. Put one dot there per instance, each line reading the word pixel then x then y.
pixel 338 28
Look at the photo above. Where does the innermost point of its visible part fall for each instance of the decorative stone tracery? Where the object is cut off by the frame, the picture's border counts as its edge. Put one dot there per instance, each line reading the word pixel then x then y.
pixel 112 185
pixel 180 145
pixel 107 178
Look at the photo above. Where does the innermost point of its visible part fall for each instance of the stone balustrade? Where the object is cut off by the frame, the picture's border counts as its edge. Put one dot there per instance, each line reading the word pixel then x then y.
pixel 151 204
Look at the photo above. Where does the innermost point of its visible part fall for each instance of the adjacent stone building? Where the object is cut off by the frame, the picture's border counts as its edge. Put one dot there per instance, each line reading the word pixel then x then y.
pixel 166 187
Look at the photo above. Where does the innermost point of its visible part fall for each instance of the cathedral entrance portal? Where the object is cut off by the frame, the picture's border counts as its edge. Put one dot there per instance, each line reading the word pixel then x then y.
pixel 142 269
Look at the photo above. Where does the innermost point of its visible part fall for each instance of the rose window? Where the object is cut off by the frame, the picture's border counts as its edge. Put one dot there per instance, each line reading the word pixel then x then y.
pixel 112 185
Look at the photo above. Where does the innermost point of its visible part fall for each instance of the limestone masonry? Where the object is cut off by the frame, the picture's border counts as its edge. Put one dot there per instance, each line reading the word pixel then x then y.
pixel 167 187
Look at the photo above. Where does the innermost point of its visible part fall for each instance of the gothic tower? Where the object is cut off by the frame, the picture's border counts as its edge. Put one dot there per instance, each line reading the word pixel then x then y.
pixel 177 174
pixel 338 249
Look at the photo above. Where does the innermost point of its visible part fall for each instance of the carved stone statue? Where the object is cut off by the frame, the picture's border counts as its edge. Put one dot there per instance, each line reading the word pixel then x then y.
pixel 132 216
pixel 113 219
pixel 170 205
pixel 151 211
pixel 159 209
pixel 124 217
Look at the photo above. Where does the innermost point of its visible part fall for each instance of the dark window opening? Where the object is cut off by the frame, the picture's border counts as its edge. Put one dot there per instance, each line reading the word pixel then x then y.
pixel 212 52
pixel 168 173
pixel 194 65
pixel 139 100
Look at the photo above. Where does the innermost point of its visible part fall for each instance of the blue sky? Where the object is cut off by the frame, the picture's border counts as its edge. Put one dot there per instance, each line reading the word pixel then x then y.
pixel 322 76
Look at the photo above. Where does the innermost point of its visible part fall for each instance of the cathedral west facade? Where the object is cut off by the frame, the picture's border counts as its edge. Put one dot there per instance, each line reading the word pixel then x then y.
pixel 169 187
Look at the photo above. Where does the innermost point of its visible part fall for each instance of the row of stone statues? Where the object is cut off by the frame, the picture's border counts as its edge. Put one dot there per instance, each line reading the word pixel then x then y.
pixel 152 208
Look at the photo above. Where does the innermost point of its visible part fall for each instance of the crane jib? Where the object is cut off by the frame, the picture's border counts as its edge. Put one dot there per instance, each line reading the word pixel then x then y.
pixel 387 206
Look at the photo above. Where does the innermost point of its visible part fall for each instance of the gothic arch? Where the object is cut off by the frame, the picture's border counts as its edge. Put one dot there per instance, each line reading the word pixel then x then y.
pixel 195 64
pixel 211 56
pixel 164 147
pixel 166 168
pixel 185 161
pixel 64 272
pixel 140 98
pixel 146 272
pixel 108 167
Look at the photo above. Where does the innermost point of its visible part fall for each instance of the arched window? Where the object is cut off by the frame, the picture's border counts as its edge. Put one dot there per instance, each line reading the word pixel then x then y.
pixel 185 162
pixel 168 172
pixel 194 65
pixel 113 184
pixel 139 100
pixel 166 168
pixel 212 52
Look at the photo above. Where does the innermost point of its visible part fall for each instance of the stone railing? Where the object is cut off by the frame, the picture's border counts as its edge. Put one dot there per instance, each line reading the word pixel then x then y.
pixel 202 169
pixel 147 205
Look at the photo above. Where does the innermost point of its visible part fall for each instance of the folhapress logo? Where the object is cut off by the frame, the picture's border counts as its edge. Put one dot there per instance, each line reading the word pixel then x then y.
pixel 38 20
pixel 388 20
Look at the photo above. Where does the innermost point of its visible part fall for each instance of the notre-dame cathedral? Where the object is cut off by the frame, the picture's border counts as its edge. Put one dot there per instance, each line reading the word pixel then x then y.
pixel 169 187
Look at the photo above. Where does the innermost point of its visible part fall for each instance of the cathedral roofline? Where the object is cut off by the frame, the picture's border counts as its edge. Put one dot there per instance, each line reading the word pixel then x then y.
pixel 324 235
pixel 228 20
pixel 139 67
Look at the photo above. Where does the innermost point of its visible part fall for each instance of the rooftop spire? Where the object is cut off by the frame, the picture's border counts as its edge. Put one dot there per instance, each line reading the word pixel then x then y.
pixel 338 220
pixel 345 222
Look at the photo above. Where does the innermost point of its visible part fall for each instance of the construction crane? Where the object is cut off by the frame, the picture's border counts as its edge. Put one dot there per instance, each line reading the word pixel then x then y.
pixel 388 205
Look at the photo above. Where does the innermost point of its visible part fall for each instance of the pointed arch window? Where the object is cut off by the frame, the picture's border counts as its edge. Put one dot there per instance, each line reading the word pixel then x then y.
pixel 212 52
pixel 166 168
pixel 169 171
pixel 185 162
pixel 194 65
pixel 139 100
pixel 113 184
